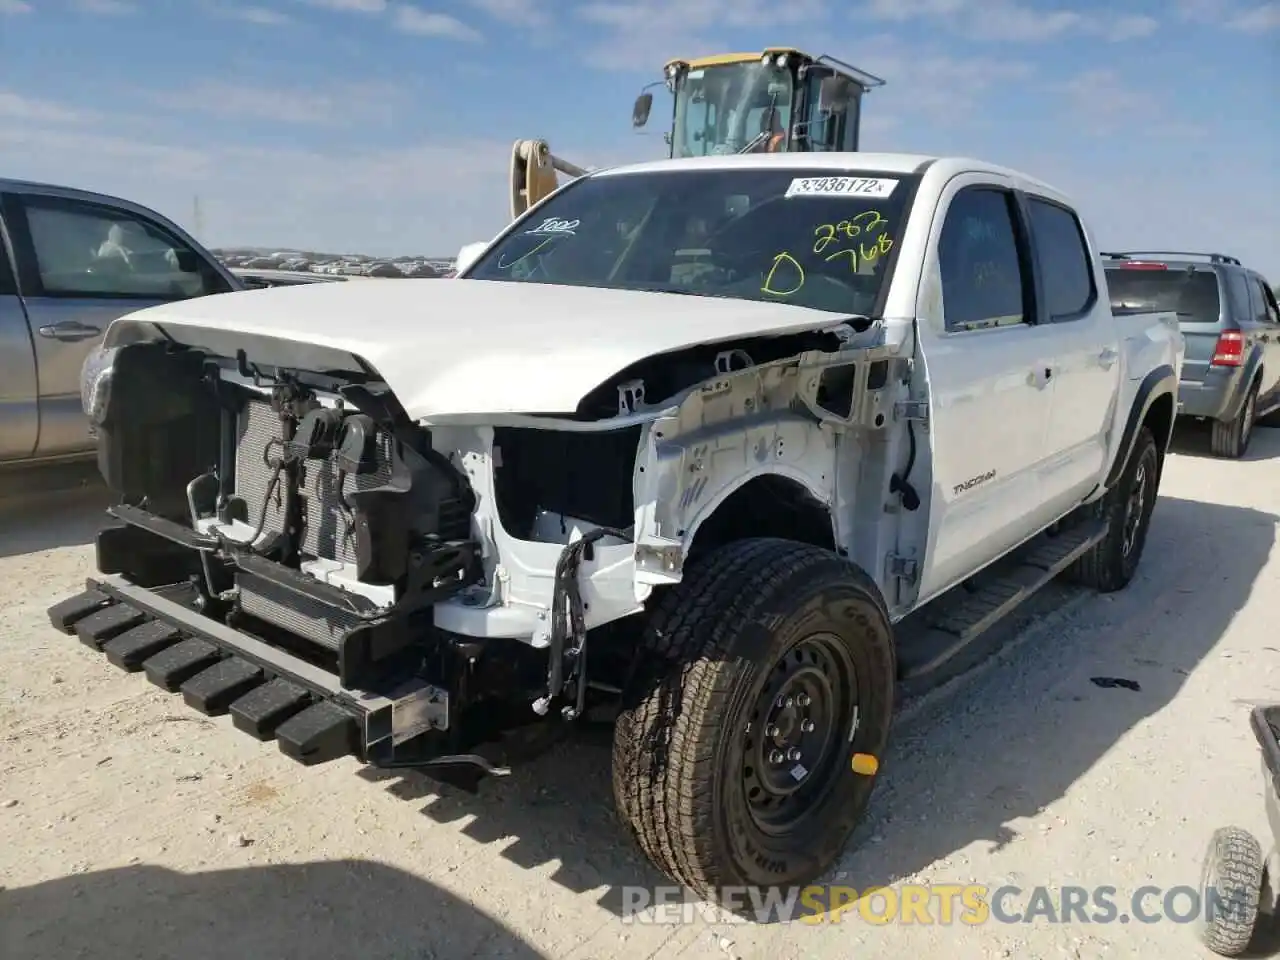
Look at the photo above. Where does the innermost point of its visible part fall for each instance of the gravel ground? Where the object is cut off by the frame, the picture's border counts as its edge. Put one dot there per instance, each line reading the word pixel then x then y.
pixel 131 826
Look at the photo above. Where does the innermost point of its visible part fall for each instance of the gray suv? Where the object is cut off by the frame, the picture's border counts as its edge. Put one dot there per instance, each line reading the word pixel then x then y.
pixel 1231 322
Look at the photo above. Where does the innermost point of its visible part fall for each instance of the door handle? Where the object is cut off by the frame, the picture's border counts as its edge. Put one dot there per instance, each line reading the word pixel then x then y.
pixel 1107 358
pixel 69 331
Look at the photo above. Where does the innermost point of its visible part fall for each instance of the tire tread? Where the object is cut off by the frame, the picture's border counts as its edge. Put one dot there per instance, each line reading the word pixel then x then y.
pixel 687 679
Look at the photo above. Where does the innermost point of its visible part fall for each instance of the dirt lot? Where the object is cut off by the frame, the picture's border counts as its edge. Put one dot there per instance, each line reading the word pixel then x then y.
pixel 132 827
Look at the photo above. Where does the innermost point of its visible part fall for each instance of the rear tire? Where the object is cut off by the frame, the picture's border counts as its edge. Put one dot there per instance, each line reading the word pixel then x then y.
pixel 1126 509
pixel 767 646
pixel 1230 888
pixel 1230 438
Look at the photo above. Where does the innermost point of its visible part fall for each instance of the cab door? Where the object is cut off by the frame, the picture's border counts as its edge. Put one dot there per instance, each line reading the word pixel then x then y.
pixel 1266 316
pixel 19 389
pixel 989 369
pixel 1086 365
pixel 81 264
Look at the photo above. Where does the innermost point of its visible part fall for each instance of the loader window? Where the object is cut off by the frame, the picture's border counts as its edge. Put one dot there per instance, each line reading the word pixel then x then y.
pixel 724 108
pixel 792 236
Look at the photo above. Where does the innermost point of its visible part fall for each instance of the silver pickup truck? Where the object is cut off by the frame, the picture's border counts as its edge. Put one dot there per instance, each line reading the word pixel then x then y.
pixel 71 262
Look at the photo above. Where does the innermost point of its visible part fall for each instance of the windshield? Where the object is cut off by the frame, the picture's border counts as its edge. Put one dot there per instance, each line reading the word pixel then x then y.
pixel 724 108
pixel 790 236
pixel 1193 296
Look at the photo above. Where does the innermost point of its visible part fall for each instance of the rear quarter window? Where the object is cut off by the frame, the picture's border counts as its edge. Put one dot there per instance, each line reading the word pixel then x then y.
pixel 1238 295
pixel 1064 260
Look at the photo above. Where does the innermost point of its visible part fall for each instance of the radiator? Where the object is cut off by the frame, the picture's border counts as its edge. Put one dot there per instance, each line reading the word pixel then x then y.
pixel 298 614
pixel 326 533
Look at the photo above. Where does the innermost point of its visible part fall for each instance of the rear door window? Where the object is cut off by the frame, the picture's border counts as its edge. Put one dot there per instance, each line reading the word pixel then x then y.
pixel 1267 312
pixel 1064 260
pixel 1193 296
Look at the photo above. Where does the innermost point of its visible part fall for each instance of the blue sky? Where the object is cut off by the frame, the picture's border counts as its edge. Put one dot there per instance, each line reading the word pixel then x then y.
pixel 385 126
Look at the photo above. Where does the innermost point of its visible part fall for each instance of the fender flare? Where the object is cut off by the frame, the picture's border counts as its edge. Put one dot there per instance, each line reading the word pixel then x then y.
pixel 1160 381
pixel 1235 403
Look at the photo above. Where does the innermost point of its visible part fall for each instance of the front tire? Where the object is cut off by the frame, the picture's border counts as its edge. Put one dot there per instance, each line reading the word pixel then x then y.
pixel 764 673
pixel 1126 509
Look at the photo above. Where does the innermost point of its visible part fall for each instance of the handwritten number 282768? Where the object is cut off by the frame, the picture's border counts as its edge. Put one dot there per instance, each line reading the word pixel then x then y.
pixel 866 224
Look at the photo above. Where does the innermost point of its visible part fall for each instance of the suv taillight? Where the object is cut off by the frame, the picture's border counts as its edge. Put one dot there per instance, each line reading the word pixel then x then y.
pixel 1230 349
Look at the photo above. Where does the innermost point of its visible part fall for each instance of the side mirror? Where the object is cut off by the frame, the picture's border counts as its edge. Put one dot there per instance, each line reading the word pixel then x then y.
pixel 468 255
pixel 640 112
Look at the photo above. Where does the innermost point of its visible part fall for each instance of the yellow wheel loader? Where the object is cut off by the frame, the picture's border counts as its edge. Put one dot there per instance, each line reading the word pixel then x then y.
pixel 778 99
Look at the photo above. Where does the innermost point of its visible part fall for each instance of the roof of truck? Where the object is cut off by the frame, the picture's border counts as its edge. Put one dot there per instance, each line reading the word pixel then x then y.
pixel 904 164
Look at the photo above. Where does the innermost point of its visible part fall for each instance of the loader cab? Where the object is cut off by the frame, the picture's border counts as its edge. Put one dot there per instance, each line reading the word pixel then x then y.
pixel 780 100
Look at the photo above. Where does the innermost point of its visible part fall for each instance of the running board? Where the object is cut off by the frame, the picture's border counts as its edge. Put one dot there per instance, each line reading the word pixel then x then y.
pixel 954 621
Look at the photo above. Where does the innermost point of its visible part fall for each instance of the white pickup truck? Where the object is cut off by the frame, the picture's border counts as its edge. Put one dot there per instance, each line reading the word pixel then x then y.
pixel 733 446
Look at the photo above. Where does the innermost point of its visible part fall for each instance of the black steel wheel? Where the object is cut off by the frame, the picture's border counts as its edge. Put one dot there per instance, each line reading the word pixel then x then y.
pixel 748 745
pixel 791 741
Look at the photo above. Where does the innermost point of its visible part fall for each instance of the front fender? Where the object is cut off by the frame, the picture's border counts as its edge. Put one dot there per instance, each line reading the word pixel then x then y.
pixel 1161 381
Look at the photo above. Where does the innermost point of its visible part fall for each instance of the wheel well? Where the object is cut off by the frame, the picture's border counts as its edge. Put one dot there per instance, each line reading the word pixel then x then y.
pixel 1159 420
pixel 766 506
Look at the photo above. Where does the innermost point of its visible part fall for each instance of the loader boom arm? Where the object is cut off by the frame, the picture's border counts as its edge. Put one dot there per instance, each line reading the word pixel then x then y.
pixel 533 174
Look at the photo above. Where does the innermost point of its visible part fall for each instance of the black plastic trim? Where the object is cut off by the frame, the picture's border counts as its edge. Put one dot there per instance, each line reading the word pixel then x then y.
pixel 1155 384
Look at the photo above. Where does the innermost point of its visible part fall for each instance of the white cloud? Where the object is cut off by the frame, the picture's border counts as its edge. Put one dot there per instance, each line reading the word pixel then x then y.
pixel 353 6
pixel 262 16
pixel 1102 103
pixel 1009 20
pixel 1231 14
pixel 419 197
pixel 1259 19
pixel 644 34
pixel 14 6
pixel 420 23
pixel 519 13
pixel 19 108
pixel 1131 28
pixel 341 106
pixel 107 7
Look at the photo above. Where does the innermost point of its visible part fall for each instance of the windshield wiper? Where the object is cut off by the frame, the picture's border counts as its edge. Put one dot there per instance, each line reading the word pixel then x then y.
pixel 763 134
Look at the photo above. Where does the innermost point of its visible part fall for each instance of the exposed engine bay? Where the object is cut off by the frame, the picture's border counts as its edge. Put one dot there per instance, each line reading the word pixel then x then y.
pixel 307 509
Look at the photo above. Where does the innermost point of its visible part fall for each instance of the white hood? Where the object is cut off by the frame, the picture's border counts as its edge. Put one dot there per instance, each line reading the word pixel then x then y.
pixel 463 347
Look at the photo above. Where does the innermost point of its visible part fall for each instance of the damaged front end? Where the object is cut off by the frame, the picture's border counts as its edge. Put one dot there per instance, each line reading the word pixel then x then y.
pixel 300 529
pixel 288 546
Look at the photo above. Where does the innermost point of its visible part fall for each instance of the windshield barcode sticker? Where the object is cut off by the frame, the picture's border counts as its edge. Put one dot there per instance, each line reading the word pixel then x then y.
pixel 840 187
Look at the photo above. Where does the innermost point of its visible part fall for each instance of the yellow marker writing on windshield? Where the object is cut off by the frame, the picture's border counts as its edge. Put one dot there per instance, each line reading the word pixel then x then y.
pixel 767 286
pixel 524 256
pixel 847 252
pixel 863 223
pixel 881 246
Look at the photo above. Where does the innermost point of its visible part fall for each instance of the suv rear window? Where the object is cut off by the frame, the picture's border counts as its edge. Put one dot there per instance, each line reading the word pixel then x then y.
pixel 1193 296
